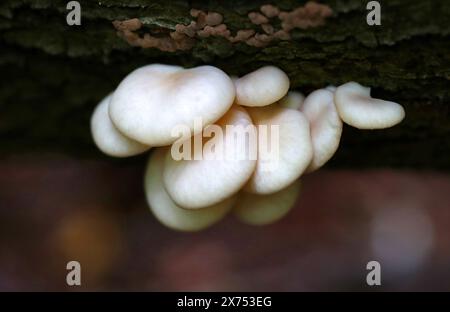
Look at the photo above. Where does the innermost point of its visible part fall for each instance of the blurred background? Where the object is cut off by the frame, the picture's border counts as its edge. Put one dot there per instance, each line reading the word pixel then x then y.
pixel 54 209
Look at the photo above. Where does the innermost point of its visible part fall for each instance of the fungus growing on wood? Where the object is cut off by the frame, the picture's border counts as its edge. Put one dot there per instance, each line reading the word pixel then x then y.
pixel 106 136
pixel 358 109
pixel 153 99
pixel 261 87
pixel 258 152
pixel 197 183
pixel 292 100
pixel 325 126
pixel 165 209
pixel 288 133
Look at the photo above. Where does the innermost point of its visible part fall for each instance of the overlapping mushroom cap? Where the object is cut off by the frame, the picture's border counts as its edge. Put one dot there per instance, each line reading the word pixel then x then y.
pixel 325 126
pixel 153 99
pixel 199 183
pixel 292 100
pixel 260 209
pixel 261 87
pixel 106 136
pixel 287 131
pixel 169 213
pixel 358 109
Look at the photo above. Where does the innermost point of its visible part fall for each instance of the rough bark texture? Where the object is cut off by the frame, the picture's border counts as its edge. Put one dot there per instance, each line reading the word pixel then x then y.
pixel 54 74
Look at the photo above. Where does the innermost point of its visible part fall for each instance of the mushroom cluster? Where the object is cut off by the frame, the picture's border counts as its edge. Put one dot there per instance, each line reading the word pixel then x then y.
pixel 191 193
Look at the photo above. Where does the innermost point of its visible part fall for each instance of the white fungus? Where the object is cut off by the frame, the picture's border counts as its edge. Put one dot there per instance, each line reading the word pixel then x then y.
pixel 250 158
pixel 275 170
pixel 292 100
pixel 153 99
pixel 358 109
pixel 257 209
pixel 325 126
pixel 261 87
pixel 169 213
pixel 199 183
pixel 108 138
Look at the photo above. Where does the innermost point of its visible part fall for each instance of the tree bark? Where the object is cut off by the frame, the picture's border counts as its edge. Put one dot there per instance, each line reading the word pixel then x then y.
pixel 53 74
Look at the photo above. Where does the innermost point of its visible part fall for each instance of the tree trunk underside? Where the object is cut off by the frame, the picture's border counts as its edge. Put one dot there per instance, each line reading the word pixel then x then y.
pixel 53 74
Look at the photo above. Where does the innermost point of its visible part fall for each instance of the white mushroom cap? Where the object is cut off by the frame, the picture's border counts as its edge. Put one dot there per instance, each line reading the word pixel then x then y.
pixel 292 100
pixel 325 126
pixel 257 209
pixel 261 87
pixel 108 138
pixel 196 184
pixel 153 99
pixel 358 109
pixel 166 211
pixel 276 171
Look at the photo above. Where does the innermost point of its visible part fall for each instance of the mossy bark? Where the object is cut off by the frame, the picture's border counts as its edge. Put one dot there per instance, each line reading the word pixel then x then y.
pixel 54 74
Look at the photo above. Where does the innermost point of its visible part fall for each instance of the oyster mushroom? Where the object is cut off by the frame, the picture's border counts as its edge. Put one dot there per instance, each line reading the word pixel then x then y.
pixel 290 148
pixel 325 126
pixel 153 99
pixel 261 87
pixel 358 109
pixel 167 211
pixel 292 100
pixel 108 138
pixel 217 175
